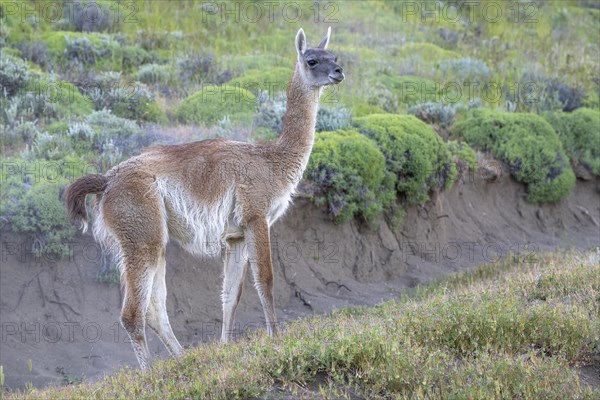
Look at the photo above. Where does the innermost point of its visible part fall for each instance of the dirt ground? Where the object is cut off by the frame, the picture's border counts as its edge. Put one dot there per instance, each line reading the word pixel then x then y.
pixel 60 325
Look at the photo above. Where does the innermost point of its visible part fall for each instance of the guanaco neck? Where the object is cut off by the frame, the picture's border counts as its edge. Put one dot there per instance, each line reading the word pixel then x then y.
pixel 298 130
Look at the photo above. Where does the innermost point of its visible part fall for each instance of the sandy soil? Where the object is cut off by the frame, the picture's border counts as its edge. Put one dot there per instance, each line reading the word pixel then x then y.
pixel 58 316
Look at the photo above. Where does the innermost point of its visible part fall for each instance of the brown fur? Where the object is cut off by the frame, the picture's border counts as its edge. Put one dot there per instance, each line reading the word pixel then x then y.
pixel 76 192
pixel 237 188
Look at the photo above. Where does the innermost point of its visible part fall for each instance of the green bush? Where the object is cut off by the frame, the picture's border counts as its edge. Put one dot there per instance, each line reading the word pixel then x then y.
pixel 32 95
pixel 435 112
pixel 14 74
pixel 271 110
pixel 15 137
pixel 211 104
pixel 128 58
pixel 55 98
pixel 464 152
pixel 381 98
pixel 414 152
pixel 125 98
pixel 107 139
pixel 31 200
pixel 333 118
pixel 272 80
pixel 134 101
pixel 154 74
pixel 361 108
pixel 350 171
pixel 196 68
pixel 48 147
pixel 102 138
pixel 579 133
pixel 528 144
pixel 412 89
pixel 42 212
pixel 71 49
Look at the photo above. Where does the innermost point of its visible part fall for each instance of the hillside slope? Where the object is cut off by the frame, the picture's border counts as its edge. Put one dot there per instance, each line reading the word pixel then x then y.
pixel 512 330
pixel 59 316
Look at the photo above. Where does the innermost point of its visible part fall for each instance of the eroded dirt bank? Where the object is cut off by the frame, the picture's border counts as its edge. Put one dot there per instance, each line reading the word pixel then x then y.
pixel 58 316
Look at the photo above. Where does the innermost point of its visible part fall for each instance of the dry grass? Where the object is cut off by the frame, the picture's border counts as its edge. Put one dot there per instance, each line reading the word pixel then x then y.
pixel 513 330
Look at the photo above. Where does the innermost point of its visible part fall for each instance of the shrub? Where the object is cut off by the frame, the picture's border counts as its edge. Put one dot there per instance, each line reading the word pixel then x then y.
pixel 569 97
pixel 96 17
pixel 380 98
pixel 35 51
pixel 49 97
pixel 272 80
pixel 128 58
pixel 362 107
pixel 210 104
pixel 350 171
pixel 26 131
pixel 462 151
pixel 65 97
pixel 465 69
pixel 33 202
pixel 271 109
pixel 528 144
pixel 197 68
pixel 13 74
pixel 75 49
pixel 412 89
pixel 154 74
pixel 15 136
pixel 579 133
pixel 42 212
pixel 48 147
pixel 82 50
pixel 102 138
pixel 45 97
pixel 541 93
pixel 435 113
pixel 135 101
pixel 126 99
pixel 333 118
pixel 113 138
pixel 414 152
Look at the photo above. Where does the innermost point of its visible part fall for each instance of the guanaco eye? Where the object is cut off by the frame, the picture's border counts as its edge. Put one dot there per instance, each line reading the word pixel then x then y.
pixel 312 63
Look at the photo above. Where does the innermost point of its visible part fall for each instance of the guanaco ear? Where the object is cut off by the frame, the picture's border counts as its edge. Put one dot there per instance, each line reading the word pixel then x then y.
pixel 300 43
pixel 325 41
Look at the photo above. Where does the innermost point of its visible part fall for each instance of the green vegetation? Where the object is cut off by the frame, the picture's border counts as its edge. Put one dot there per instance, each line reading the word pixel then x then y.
pixel 579 133
pixel 271 80
pixel 412 89
pixel 528 144
pixel 102 51
pixel 462 151
pixel 56 98
pixel 226 76
pixel 512 329
pixel 30 199
pixel 414 152
pixel 211 104
pixel 350 172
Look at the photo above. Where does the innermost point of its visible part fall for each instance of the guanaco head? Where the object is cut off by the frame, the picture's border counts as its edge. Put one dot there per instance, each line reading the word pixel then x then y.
pixel 317 66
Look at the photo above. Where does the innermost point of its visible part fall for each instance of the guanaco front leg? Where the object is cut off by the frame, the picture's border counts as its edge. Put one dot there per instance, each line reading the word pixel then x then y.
pixel 235 266
pixel 259 253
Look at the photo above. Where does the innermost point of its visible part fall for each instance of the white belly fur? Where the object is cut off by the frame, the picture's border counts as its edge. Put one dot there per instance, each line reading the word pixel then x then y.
pixel 197 227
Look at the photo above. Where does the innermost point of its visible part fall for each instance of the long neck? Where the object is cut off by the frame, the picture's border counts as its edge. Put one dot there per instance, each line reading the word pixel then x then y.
pixel 298 131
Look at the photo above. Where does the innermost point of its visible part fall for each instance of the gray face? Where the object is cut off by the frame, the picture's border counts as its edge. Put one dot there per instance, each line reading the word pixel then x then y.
pixel 321 68
pixel 318 66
